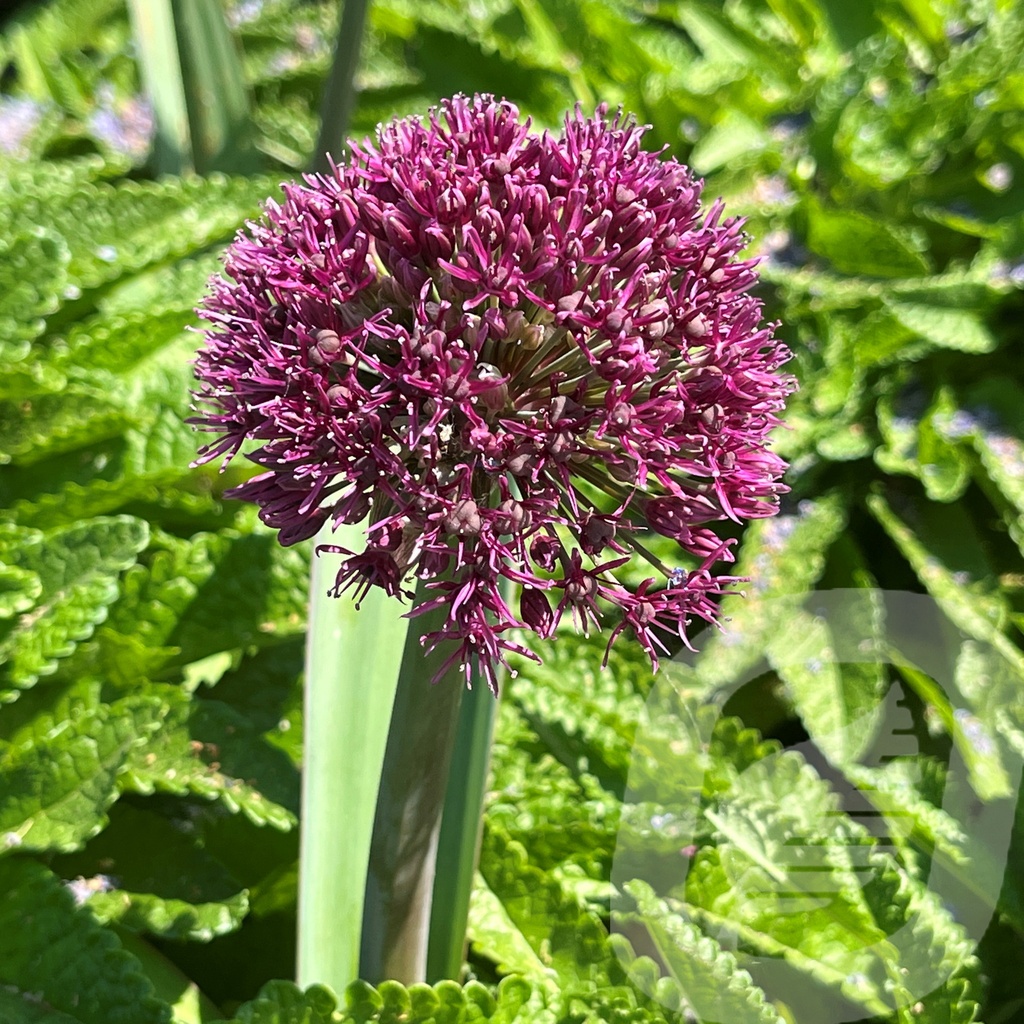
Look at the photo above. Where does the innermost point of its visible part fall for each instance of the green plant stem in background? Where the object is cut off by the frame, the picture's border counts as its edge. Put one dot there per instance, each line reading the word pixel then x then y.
pixel 411 801
pixel 352 665
pixel 157 43
pixel 340 90
pixel 193 75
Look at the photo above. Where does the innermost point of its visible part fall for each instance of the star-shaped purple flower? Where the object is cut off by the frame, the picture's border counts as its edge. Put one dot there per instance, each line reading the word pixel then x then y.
pixel 511 353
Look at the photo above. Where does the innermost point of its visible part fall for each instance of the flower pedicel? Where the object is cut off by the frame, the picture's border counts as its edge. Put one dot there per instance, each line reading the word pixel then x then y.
pixel 513 352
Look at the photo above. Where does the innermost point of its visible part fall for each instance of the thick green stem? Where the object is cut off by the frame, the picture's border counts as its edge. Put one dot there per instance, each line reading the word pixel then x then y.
pixel 459 842
pixel 352 665
pixel 403 855
pixel 340 90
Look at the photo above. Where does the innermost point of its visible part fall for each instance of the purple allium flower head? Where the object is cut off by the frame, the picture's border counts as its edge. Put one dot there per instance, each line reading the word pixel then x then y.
pixel 513 352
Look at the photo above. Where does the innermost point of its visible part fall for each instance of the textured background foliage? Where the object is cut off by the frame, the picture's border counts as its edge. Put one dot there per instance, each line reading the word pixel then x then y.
pixel 151 633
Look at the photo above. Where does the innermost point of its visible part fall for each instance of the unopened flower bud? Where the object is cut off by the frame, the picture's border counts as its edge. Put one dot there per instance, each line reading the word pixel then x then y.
pixel 533 337
pixel 464 518
pixel 535 611
pixel 325 348
pixel 493 396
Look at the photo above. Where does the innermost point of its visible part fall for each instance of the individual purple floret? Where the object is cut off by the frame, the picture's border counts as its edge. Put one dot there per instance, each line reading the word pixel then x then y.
pixel 514 353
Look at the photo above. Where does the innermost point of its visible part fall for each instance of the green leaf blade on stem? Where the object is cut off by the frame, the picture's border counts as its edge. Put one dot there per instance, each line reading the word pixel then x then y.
pixel 188 1004
pixel 352 664
pixel 459 840
pixel 153 27
pixel 339 92
pixel 460 834
pixel 410 804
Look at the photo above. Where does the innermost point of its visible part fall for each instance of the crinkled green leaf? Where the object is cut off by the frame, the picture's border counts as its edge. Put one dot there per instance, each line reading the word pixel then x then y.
pixel 709 977
pixel 19 589
pixel 43 711
pixel 906 792
pixel 165 293
pixel 122 342
pixel 33 275
pixel 935 975
pixel 565 818
pixel 208 749
pixel 152 465
pixel 570 943
pixel 130 346
pixel 445 1003
pixel 112 231
pixel 686 753
pixel 78 568
pixel 157 879
pixel 25 378
pixel 33 429
pixel 215 592
pixel 580 709
pixel 66 958
pixel 785 882
pixel 791 877
pixel 56 790
pixel 494 933
pixel 281 1002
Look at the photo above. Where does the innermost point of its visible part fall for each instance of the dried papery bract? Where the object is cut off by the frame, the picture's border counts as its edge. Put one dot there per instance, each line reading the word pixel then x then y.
pixel 514 352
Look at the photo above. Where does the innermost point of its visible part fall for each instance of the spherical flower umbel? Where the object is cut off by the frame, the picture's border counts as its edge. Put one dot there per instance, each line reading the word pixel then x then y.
pixel 511 353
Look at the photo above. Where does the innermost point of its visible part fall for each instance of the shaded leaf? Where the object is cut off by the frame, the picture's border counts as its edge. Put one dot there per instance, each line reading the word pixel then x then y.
pixel 69 960
pixel 857 244
pixel 836 689
pixel 161 881
pixel 208 749
pixel 943 327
